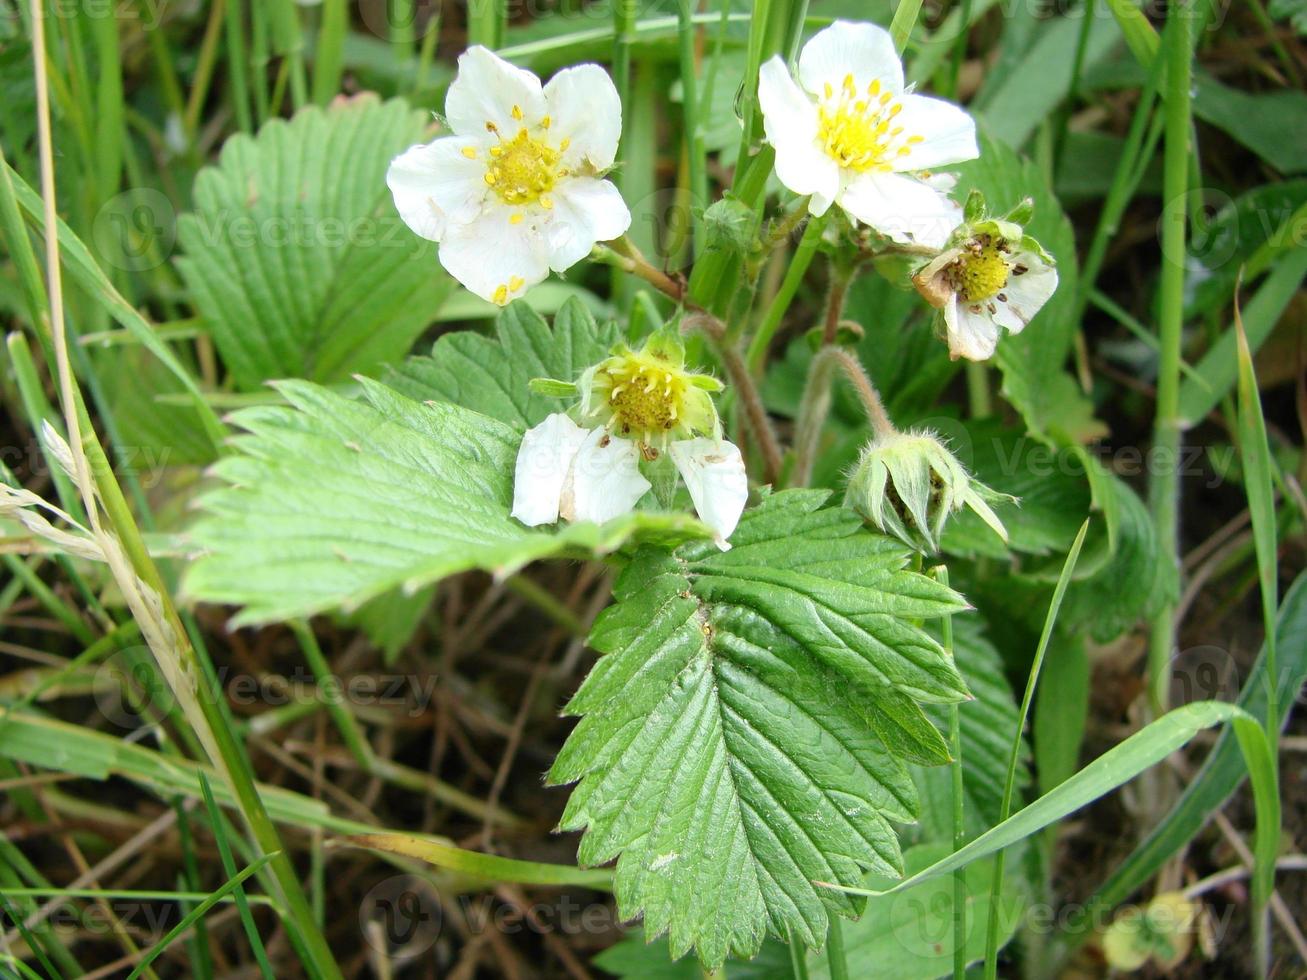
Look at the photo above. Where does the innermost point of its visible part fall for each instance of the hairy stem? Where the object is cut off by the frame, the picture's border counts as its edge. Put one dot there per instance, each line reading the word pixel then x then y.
pixel 815 406
pixel 755 412
pixel 623 254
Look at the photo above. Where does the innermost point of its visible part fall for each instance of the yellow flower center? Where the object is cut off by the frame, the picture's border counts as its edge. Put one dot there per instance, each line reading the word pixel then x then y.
pixel 524 169
pixel 645 393
pixel 858 131
pixel 981 271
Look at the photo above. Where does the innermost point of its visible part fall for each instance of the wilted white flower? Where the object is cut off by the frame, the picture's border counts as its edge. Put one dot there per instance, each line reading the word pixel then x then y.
pixel 644 403
pixel 517 189
pixel 908 484
pixel 996 278
pixel 848 132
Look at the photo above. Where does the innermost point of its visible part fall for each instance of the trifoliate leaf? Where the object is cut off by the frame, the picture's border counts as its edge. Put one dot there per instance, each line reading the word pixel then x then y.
pixel 297 261
pixel 729 755
pixel 330 502
pixel 494 377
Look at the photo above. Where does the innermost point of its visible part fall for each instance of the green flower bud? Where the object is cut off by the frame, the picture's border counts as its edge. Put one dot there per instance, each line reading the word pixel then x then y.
pixel 908 484
pixel 729 225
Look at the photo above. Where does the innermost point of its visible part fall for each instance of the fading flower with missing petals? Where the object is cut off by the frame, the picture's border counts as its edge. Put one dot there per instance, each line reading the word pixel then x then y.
pixel 517 189
pixel 908 484
pixel 996 277
pixel 848 132
pixel 641 404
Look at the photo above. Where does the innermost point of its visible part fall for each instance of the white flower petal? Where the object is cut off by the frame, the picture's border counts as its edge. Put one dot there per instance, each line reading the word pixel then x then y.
pixel 586 210
pixel 585 109
pixel 1028 292
pixel 790 122
pixel 902 207
pixel 970 335
pixel 493 257
pixel 713 471
pixel 1004 315
pixel 543 462
pixel 605 481
pixel 864 51
pixel 486 89
pixel 948 133
pixel 435 184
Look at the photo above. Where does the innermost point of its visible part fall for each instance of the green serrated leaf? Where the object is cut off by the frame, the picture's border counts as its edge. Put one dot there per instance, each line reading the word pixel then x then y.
pixel 297 262
pixel 494 376
pixel 727 754
pixel 330 502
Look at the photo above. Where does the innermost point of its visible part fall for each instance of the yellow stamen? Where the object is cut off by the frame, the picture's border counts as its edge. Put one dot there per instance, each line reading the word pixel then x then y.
pixel 470 152
pixel 980 272
pixel 517 113
pixel 544 123
pixel 523 169
pixel 515 283
pixel 858 133
pixel 501 295
pixel 516 218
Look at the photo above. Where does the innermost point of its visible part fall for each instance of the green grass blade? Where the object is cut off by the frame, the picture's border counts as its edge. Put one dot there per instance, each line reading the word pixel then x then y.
pixel 88 274
pixel 1014 759
pixel 1217 370
pixel 905 19
pixel 18 918
pixel 488 866
pixel 1223 770
pixel 1115 767
pixel 196 913
pixel 1257 466
pixel 219 827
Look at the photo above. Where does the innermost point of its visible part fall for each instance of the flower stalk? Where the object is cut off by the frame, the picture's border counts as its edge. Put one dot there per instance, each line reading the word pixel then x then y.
pixel 755 412
pixel 815 407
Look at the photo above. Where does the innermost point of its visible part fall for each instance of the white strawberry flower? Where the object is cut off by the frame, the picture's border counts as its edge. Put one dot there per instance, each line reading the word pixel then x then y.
pixel 848 132
pixel 646 403
pixel 578 474
pixel 517 189
pixel 987 283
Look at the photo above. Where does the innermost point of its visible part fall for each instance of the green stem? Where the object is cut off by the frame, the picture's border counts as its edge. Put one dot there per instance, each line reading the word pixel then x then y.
pixel 815 406
pixel 329 688
pixel 1014 756
pixel 746 389
pixel 545 601
pixel 835 955
pixel 693 136
pixel 959 808
pixel 905 19
pixel 979 398
pixel 758 30
pixel 959 52
pixel 1164 486
pixel 485 23
pixel 780 304
pixel 329 56
pixel 403 20
pixel 238 64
